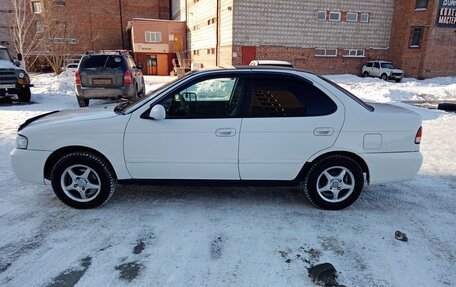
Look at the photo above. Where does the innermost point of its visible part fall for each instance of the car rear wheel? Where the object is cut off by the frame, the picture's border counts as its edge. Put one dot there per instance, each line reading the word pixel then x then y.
pixel 83 102
pixel 334 182
pixel 365 74
pixel 24 95
pixel 82 180
pixel 384 77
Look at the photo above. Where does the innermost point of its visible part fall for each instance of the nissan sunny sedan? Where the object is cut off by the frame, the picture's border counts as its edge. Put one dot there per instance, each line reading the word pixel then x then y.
pixel 243 125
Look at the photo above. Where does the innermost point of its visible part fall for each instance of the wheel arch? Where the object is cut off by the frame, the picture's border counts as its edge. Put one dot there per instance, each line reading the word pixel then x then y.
pixel 59 153
pixel 359 160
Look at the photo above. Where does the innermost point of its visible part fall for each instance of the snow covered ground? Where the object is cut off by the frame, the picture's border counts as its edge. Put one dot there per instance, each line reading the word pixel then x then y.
pixel 222 236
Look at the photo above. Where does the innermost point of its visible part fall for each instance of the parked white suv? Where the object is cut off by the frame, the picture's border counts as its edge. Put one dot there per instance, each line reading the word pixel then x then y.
pixel 382 69
pixel 235 125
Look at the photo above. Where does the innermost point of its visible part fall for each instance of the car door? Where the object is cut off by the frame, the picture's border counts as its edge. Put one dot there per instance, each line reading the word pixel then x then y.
pixel 198 139
pixel 376 70
pixel 289 120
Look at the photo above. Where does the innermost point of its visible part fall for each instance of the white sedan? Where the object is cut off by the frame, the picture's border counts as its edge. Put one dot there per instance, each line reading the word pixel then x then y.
pixel 283 126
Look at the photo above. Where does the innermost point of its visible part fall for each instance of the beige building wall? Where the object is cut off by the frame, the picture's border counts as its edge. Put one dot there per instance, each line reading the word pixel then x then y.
pixel 206 19
pixel 293 23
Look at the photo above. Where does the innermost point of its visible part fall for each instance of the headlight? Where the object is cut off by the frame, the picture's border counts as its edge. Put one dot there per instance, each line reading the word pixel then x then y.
pixel 21 75
pixel 21 142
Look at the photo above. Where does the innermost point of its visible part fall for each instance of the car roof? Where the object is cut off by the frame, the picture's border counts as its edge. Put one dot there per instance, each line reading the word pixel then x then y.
pixel 381 61
pixel 243 68
pixel 272 62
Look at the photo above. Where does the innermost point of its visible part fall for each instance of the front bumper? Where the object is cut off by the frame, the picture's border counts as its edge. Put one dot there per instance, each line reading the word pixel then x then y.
pixel 28 165
pixel 391 167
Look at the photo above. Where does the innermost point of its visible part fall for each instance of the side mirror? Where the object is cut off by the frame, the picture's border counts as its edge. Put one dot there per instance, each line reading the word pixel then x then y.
pixel 157 112
pixel 19 56
pixel 17 63
pixel 140 66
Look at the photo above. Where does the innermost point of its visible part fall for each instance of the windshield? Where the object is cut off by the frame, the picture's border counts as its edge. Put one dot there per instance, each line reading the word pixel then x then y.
pixel 102 62
pixel 129 106
pixel 4 55
pixel 355 98
pixel 387 66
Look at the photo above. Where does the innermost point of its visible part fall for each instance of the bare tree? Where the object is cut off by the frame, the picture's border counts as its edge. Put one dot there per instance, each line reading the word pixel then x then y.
pixel 23 31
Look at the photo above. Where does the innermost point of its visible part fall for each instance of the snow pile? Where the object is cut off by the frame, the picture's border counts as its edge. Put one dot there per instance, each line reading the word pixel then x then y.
pixel 377 90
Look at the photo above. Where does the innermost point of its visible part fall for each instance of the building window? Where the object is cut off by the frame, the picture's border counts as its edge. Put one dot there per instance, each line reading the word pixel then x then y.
pixel 325 52
pixel 154 37
pixel 353 53
pixel 58 40
pixel 334 16
pixel 421 4
pixel 36 7
pixel 352 17
pixel 72 41
pixel 364 17
pixel 196 52
pixel 59 3
pixel 415 37
pixel 39 27
pixel 321 15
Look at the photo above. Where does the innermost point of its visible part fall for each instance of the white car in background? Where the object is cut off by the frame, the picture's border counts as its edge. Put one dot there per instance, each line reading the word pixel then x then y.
pixel 242 125
pixel 384 70
pixel 274 63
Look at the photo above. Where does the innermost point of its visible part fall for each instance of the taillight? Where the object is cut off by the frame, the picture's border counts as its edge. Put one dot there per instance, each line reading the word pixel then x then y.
pixel 418 135
pixel 77 78
pixel 127 78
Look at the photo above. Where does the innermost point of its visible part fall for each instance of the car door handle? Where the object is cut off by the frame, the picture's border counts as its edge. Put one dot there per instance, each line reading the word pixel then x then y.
pixel 323 131
pixel 225 132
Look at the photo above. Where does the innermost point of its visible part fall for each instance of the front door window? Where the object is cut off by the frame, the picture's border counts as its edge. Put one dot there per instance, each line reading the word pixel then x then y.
pixel 214 98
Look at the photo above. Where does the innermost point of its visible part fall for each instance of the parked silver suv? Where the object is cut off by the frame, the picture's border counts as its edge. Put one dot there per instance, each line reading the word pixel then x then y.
pixel 108 75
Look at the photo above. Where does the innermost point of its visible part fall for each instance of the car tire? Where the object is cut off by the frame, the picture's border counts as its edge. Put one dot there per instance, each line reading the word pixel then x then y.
pixel 384 77
pixel 334 182
pixel 83 180
pixel 24 95
pixel 83 102
pixel 365 74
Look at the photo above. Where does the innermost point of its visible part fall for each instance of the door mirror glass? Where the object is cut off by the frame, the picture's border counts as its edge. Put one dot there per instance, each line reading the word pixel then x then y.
pixel 157 112
pixel 19 56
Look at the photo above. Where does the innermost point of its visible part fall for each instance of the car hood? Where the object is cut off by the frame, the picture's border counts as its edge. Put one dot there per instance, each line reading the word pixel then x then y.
pixel 4 64
pixel 397 71
pixel 84 114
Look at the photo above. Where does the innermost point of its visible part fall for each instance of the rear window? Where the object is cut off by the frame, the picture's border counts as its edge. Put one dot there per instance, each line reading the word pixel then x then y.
pixel 103 62
pixel 350 95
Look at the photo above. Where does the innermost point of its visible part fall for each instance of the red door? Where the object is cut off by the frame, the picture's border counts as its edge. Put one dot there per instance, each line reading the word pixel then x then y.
pixel 248 54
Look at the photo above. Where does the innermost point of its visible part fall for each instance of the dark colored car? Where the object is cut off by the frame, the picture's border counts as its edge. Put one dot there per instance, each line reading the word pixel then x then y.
pixel 108 75
pixel 13 79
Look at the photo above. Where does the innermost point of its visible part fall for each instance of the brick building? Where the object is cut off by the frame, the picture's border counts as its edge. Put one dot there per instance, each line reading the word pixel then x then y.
pixel 423 39
pixel 103 23
pixel 5 17
pixel 322 36
pixel 156 42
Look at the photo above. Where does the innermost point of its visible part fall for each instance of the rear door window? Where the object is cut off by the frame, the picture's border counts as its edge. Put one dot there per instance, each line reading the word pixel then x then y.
pixel 102 62
pixel 284 97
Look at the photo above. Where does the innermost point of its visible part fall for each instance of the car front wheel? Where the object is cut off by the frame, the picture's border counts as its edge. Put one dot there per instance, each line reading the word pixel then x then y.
pixel 83 180
pixel 384 77
pixel 365 74
pixel 334 182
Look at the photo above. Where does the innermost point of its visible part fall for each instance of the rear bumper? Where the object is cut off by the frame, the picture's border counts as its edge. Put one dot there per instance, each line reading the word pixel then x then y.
pixel 391 167
pixel 104 93
pixel 28 165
